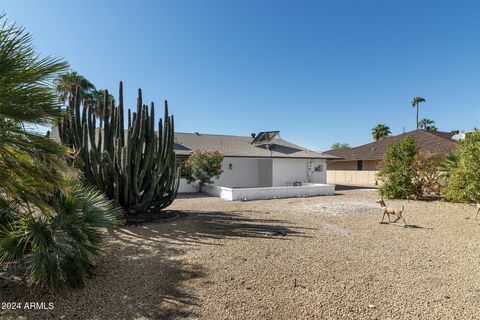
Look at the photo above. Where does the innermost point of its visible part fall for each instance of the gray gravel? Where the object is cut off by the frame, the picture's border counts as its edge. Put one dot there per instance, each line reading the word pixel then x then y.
pixel 336 262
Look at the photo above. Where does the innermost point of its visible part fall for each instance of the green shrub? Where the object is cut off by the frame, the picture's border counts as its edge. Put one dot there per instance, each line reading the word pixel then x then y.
pixel 463 177
pixel 58 245
pixel 202 166
pixel 396 173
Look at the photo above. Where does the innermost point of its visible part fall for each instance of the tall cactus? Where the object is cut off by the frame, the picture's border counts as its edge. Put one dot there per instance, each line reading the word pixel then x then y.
pixel 134 167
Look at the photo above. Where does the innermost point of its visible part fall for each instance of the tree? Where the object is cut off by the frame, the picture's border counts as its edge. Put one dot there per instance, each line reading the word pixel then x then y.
pixel 99 102
pixel 60 246
pixel 203 166
pixel 380 131
pixel 427 124
pixel 36 230
pixel 463 177
pixel 415 102
pixel 26 101
pixel 338 145
pixel 427 174
pixel 396 171
pixel 67 83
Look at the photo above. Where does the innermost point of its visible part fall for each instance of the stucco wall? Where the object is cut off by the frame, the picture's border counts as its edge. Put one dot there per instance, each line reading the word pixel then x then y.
pixel 238 173
pixel 288 171
pixel 243 173
pixel 254 172
pixel 368 165
pixel 352 177
pixel 345 172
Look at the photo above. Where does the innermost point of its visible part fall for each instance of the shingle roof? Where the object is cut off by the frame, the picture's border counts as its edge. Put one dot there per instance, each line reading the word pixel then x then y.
pixel 429 141
pixel 241 146
pixel 235 146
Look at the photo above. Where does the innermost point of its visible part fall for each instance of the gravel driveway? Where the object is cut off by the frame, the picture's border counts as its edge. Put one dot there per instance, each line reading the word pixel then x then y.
pixel 303 258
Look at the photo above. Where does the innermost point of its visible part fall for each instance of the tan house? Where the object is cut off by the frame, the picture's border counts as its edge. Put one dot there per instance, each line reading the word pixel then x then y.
pixel 359 165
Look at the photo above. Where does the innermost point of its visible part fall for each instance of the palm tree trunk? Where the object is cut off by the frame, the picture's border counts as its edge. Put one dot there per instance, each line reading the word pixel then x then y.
pixel 417 115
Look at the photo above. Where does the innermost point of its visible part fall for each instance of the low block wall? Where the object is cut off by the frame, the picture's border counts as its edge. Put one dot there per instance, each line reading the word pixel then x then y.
pixel 307 190
pixel 185 187
pixel 361 178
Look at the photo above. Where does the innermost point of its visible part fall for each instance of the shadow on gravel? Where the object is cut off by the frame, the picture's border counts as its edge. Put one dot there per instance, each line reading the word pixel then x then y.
pixel 200 227
pixel 139 276
pixel 142 274
pixel 354 187
pixel 408 226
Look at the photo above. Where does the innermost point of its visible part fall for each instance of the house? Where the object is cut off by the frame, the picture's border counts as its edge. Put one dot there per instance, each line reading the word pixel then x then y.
pixel 258 166
pixel 359 165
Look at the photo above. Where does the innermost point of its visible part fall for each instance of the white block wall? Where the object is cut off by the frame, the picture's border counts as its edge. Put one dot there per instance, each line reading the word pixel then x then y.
pixel 308 190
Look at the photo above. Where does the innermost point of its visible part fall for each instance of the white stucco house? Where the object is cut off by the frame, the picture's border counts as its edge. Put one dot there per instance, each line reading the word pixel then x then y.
pixel 259 166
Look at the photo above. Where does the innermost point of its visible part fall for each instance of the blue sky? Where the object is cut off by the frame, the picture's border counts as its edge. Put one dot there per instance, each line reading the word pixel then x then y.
pixel 318 71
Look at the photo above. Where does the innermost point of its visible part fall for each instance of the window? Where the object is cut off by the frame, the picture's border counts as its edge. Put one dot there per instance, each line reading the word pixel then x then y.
pixel 359 165
pixel 318 168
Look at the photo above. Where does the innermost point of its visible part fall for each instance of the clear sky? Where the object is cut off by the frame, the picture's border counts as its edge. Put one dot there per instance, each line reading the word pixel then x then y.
pixel 319 71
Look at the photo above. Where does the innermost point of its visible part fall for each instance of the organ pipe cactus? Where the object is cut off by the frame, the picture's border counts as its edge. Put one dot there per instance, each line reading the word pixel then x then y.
pixel 135 167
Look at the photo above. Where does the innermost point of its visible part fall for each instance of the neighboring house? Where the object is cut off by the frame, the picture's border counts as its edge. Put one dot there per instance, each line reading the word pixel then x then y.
pixel 359 165
pixel 258 162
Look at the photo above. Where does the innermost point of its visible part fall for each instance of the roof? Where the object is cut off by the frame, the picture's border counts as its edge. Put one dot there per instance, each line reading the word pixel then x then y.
pixel 429 141
pixel 235 146
pixel 241 146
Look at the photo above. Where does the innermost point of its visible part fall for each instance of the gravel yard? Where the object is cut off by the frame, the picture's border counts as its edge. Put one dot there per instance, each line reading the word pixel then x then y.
pixel 232 260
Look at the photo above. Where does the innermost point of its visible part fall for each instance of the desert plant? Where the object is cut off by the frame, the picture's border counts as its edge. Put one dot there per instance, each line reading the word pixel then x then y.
pixel 396 170
pixel 415 103
pixel 59 245
pixel 463 175
pixel 203 166
pixel 136 168
pixel 380 131
pixel 426 168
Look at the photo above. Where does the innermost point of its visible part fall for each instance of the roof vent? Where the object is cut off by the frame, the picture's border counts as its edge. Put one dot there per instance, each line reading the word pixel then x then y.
pixel 253 135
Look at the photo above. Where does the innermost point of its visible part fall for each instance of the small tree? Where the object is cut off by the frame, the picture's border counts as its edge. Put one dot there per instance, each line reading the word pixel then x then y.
pixel 397 173
pixel 203 166
pixel 427 175
pixel 338 145
pixel 463 178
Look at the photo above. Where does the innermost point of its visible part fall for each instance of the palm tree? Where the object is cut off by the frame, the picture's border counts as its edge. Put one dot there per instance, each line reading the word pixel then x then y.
pixel 99 102
pixel 380 131
pixel 427 124
pixel 26 101
pixel 49 224
pixel 415 102
pixel 67 83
